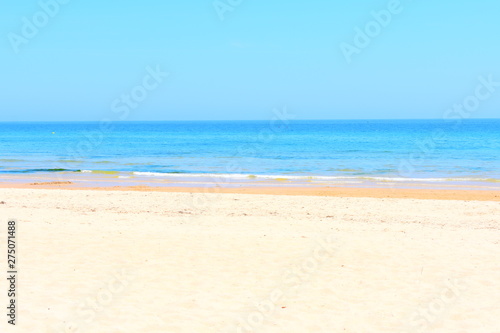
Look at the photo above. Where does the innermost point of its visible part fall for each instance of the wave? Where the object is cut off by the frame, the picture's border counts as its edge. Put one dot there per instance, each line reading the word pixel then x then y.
pixel 101 172
pixel 70 161
pixel 10 160
pixel 308 178
pixel 261 177
pixel 41 170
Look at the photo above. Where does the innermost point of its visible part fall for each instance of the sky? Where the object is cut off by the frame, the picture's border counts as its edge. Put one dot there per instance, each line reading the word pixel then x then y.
pixel 70 60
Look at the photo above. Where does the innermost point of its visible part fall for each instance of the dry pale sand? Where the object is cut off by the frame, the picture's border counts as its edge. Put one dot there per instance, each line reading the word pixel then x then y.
pixel 132 261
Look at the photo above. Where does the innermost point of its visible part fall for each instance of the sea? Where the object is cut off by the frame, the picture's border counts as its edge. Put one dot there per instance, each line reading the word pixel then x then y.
pixel 383 153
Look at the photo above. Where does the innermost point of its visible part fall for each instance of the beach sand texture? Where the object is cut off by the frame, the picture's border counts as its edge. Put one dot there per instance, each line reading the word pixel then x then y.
pixel 132 261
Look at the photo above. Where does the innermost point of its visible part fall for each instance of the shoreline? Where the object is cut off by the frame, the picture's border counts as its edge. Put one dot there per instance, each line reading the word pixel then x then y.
pixel 324 191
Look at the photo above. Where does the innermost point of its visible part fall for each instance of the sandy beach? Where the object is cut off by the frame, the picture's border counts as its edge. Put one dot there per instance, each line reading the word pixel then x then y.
pixel 232 166
pixel 157 261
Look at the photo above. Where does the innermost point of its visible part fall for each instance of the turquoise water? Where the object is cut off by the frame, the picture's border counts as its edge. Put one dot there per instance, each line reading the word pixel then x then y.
pixel 431 150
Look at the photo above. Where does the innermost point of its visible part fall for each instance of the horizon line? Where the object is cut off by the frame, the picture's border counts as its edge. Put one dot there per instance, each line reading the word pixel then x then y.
pixel 228 120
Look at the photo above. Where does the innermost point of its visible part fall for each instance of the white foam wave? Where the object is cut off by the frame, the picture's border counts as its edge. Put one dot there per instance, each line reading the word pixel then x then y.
pixel 303 178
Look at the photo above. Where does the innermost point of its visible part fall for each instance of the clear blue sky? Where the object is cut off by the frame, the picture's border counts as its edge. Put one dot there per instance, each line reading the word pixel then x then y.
pixel 264 54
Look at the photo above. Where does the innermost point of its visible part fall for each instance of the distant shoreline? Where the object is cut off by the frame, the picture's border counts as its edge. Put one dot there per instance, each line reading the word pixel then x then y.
pixel 349 192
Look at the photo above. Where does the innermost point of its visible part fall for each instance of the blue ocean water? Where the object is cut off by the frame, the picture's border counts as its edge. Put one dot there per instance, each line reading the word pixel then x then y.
pixel 383 149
